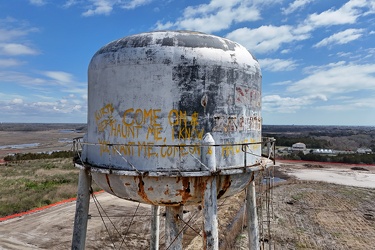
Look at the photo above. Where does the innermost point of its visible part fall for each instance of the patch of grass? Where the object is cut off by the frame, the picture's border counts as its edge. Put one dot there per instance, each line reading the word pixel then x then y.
pixel 22 188
pixel 297 197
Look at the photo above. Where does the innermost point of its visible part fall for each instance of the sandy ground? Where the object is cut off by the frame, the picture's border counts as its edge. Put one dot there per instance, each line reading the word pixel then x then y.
pixel 323 206
pixel 51 140
pixel 312 214
pixel 53 228
pixel 342 174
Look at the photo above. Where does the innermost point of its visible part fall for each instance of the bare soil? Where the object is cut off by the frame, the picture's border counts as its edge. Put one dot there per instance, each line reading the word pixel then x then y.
pixel 307 215
pixel 319 215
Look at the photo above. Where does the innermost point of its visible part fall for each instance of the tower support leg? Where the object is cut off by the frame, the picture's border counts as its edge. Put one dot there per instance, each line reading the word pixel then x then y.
pixel 82 210
pixel 210 225
pixel 155 222
pixel 173 227
pixel 252 217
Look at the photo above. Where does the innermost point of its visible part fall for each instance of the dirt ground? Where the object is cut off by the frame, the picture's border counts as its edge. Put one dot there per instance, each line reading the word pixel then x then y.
pixel 320 214
pixel 309 211
pixel 114 224
pixel 306 215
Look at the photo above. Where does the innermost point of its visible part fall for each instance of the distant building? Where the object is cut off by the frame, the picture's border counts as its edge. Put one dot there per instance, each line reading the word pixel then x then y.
pixel 299 146
pixel 323 151
pixel 364 151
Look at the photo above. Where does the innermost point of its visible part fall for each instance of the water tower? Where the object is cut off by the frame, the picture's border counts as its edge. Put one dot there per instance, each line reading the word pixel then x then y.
pixel 174 118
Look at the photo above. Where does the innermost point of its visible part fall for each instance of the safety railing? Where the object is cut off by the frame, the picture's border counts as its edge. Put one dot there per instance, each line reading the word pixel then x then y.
pixel 264 159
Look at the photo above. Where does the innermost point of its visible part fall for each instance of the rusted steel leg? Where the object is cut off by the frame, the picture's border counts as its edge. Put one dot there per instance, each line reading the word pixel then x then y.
pixel 154 241
pixel 82 210
pixel 210 225
pixel 252 217
pixel 173 226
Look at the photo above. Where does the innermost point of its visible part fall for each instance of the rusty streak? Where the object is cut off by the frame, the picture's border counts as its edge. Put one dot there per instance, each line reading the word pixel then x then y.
pixel 225 186
pixel 185 191
pixel 108 182
pixel 141 191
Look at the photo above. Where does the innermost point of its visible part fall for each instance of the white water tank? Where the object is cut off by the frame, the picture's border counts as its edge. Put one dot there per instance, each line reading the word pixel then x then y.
pixel 152 98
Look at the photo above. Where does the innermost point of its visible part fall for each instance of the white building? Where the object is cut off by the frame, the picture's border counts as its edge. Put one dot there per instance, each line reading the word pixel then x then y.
pixel 299 146
pixel 364 151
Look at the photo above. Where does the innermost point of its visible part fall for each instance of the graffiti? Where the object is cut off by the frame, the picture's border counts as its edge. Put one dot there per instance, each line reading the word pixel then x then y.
pixel 184 127
pixel 104 117
pixel 247 96
pixel 120 130
pixel 148 149
pixel 228 149
pixel 141 117
pixel 146 134
pixel 231 123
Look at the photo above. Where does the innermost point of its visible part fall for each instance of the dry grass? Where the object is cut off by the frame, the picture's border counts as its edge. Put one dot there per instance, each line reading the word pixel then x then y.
pixel 26 185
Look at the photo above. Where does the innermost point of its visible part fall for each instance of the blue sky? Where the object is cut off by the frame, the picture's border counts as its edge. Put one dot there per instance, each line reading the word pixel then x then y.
pixel 317 57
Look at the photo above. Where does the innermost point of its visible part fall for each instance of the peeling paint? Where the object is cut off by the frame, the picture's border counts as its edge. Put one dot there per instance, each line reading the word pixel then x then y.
pixel 180 85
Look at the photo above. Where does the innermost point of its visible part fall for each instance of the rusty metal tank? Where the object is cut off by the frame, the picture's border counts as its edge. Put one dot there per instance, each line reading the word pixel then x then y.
pixel 153 100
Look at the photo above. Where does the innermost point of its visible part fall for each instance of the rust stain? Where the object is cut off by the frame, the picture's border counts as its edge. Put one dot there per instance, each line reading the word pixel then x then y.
pixel 127 184
pixel 167 191
pixel 109 183
pixel 178 179
pixel 150 189
pixel 185 191
pixel 200 186
pixel 225 185
pixel 141 191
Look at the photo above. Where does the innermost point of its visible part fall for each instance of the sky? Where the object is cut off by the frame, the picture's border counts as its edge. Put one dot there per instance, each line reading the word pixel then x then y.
pixel 317 57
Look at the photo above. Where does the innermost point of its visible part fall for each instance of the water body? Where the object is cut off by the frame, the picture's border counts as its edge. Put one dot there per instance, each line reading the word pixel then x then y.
pixel 67 131
pixel 64 140
pixel 20 146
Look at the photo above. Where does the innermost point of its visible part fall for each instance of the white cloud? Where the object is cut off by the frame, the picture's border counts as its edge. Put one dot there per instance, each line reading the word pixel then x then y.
pixel 342 37
pixel 105 7
pixel 275 65
pixel 70 3
pixel 265 38
pixel 100 7
pixel 15 49
pixel 17 101
pixel 37 2
pixel 9 62
pixel 276 103
pixel 134 4
pixel 11 28
pixel 281 83
pixel 20 78
pixel 285 51
pixel 347 14
pixel 333 79
pixel 19 107
pixel 350 104
pixel 214 16
pixel 297 4
pixel 59 76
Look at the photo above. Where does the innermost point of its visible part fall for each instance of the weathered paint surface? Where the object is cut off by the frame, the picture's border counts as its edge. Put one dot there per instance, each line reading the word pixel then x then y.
pixel 153 97
pixel 171 191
